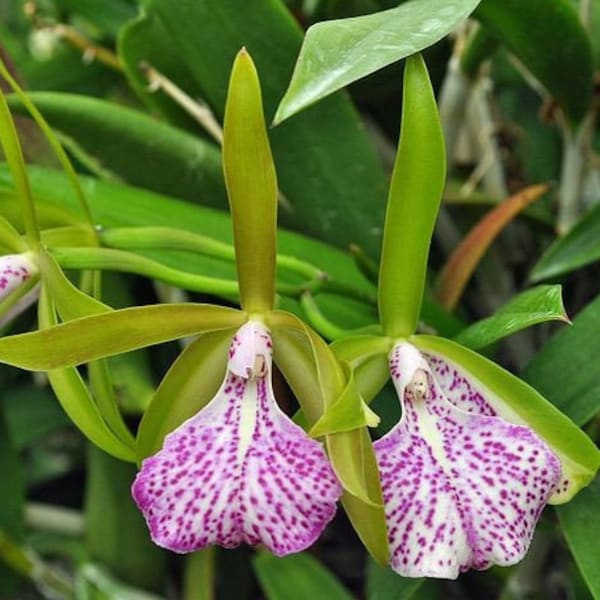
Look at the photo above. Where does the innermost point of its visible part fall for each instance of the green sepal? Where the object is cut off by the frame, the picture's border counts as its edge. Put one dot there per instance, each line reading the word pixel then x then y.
pixel 189 385
pixel 536 305
pixel 346 413
pixel 317 380
pixel 517 402
pixel 413 202
pixel 89 338
pixel 251 186
pixel 75 397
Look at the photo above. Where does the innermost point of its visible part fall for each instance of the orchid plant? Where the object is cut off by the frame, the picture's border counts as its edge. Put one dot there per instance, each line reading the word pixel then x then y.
pixel 260 427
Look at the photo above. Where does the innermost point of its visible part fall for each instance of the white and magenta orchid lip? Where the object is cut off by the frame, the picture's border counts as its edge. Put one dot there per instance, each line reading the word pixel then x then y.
pixel 239 470
pixel 462 488
pixel 15 270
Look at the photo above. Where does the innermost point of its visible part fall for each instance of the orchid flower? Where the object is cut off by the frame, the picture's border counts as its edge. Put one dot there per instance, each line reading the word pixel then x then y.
pixel 239 470
pixel 17 273
pixel 462 487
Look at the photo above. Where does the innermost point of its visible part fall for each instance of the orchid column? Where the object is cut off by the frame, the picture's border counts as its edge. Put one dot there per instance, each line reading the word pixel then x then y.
pixel 477 453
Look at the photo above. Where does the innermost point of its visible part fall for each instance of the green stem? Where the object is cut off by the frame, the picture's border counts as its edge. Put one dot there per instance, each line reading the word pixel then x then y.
pixel 318 320
pixel 128 238
pixel 106 259
pixel 199 575
pixel 28 564
pixel 10 237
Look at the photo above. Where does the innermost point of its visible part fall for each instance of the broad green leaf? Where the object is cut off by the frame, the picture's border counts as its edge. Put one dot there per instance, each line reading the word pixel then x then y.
pixel 144 41
pixel 519 26
pixel 115 205
pixel 175 162
pixel 536 305
pixel 251 186
pixel 385 584
pixel 465 258
pixel 581 526
pixel 413 202
pixel 115 531
pixel 338 52
pixel 327 167
pixel 297 577
pixel 191 382
pixel 566 371
pixel 89 338
pixel 107 15
pixel 73 394
pixel 32 413
pixel 519 403
pixel 578 248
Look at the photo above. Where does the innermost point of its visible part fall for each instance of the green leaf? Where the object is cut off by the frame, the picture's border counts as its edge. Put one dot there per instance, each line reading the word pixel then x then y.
pixel 144 40
pixel 122 139
pixel 581 526
pixel 565 370
pixel 338 52
pixel 296 577
pixel 568 76
pixel 519 403
pixel 251 185
pixel 536 305
pixel 115 531
pixel 88 338
pixel 578 248
pixel 415 193
pixel 108 15
pixel 385 584
pixel 327 166
pixel 116 205
pixel 191 382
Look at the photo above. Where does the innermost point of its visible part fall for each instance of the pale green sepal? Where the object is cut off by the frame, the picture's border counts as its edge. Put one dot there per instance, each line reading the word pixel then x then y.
pixel 536 305
pixel 190 384
pixel 413 202
pixel 346 413
pixel 70 301
pixel 251 186
pixel 519 403
pixel 317 380
pixel 89 338
pixel 75 398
